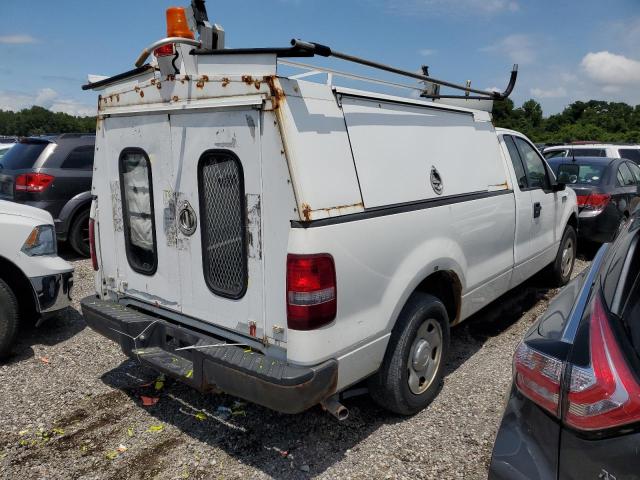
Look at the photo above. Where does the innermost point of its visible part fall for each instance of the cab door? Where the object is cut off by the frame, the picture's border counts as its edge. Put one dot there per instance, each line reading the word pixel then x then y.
pixel 218 194
pixel 547 206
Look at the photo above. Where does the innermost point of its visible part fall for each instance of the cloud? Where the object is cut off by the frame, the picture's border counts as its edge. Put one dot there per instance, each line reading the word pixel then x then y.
pixel 557 92
pixel 451 7
pixel 47 98
pixel 425 52
pixel 519 48
pixel 17 39
pixel 609 69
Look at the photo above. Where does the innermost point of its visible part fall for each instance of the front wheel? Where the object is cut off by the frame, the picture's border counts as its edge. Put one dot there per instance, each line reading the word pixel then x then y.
pixel 9 318
pixel 562 267
pixel 411 372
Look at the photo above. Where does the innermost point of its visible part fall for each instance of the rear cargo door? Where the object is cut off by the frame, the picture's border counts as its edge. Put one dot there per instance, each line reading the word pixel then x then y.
pixel 218 177
pixel 141 180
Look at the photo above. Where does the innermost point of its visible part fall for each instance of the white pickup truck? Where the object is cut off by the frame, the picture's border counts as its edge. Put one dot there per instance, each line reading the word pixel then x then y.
pixel 282 240
pixel 35 282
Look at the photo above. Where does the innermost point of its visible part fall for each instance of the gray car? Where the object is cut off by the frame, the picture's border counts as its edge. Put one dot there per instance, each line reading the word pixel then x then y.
pixel 574 407
pixel 53 173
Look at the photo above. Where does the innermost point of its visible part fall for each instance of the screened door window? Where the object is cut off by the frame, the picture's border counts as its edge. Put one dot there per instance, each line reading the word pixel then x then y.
pixel 222 207
pixel 635 170
pixel 625 177
pixel 516 161
pixel 533 164
pixel 80 158
pixel 137 209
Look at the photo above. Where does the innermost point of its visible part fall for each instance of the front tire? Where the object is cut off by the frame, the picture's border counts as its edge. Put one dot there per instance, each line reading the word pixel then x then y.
pixel 9 318
pixel 79 234
pixel 411 372
pixel 562 267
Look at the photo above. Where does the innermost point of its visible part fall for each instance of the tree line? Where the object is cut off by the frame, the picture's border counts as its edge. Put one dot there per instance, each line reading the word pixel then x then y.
pixel 593 120
pixel 40 121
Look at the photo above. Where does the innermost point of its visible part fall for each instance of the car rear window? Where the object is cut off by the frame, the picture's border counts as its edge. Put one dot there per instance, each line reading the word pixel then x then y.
pixel 22 155
pixel 588 152
pixel 581 174
pixel 630 154
pixel 555 154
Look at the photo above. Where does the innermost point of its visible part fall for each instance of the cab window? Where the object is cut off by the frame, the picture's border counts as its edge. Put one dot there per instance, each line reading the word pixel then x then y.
pixel 516 161
pixel 533 165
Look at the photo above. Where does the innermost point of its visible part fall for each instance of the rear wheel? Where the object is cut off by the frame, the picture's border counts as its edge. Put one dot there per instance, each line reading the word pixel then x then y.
pixel 79 234
pixel 411 372
pixel 9 318
pixel 562 267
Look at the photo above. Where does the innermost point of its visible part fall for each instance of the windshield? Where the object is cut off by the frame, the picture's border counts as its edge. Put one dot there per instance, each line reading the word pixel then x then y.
pixel 22 155
pixel 584 174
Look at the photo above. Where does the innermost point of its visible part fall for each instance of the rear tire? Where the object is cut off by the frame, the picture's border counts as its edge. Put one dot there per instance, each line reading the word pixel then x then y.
pixel 9 318
pixel 411 372
pixel 79 234
pixel 562 267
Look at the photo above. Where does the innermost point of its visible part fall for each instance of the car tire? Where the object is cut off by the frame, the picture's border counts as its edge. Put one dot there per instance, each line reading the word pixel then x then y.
pixel 421 335
pixel 562 267
pixel 79 234
pixel 9 318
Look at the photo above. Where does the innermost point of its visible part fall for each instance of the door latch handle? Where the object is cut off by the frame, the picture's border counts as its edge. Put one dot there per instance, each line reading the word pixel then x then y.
pixel 537 209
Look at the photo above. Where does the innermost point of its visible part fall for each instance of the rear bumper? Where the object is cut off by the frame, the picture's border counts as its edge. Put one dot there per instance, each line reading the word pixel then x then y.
pixel 53 292
pixel 601 227
pixel 249 375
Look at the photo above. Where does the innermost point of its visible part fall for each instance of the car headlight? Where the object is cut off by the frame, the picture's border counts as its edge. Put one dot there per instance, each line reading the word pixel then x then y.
pixel 41 241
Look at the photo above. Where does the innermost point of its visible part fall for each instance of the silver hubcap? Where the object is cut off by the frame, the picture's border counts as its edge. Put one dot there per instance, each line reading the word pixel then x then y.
pixel 567 258
pixel 424 357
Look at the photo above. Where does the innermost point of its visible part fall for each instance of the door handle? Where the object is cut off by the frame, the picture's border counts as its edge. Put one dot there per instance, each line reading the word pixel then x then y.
pixel 537 209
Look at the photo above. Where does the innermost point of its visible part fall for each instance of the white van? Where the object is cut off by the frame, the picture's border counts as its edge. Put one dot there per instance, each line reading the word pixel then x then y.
pixel 282 240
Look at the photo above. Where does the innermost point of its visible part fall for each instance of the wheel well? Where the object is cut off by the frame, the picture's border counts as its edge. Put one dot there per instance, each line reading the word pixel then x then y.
pixel 21 287
pixel 446 286
pixel 82 208
pixel 573 221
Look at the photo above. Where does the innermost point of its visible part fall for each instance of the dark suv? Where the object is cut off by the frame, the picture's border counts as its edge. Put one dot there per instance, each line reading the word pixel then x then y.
pixel 53 173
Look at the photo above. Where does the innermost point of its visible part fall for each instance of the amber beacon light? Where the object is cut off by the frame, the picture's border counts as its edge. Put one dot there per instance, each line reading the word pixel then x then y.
pixel 177 25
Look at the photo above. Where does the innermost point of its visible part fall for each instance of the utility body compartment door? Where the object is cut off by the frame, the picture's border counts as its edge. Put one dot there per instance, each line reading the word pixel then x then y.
pixel 144 141
pixel 218 165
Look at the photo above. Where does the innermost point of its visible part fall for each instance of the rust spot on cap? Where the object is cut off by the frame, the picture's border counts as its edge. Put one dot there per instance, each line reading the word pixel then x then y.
pixel 225 81
pixel 306 211
pixel 248 79
pixel 153 81
pixel 171 77
pixel 175 98
pixel 277 95
pixel 141 94
pixel 158 85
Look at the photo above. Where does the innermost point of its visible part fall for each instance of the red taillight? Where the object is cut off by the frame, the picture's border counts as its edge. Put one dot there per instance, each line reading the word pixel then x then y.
pixel 606 394
pixel 165 50
pixel 538 376
pixel 594 201
pixel 33 182
pixel 92 244
pixel 311 291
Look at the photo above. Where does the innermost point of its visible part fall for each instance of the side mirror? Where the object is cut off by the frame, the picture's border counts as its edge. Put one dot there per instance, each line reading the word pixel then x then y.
pixel 561 187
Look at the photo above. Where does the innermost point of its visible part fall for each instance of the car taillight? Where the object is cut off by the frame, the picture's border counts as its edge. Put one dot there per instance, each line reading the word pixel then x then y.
pixel 311 291
pixel 92 244
pixel 594 201
pixel 606 394
pixel 538 377
pixel 33 182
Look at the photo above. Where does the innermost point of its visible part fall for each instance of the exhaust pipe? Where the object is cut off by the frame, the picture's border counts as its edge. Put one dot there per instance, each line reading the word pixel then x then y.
pixel 335 408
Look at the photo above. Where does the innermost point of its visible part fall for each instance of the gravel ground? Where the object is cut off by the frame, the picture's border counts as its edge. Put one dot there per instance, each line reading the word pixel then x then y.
pixel 70 408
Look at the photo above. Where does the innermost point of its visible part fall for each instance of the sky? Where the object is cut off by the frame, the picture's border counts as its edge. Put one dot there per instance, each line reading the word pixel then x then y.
pixel 567 50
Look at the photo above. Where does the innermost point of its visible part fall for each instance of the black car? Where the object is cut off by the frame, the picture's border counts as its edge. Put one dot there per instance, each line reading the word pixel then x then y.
pixel 53 173
pixel 606 188
pixel 574 407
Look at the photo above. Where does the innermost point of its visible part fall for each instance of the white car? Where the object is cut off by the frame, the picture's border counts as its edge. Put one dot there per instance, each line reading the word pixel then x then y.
pixel 34 281
pixel 630 152
pixel 282 240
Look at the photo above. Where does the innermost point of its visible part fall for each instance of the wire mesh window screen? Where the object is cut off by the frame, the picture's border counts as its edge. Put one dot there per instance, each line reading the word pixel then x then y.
pixel 222 212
